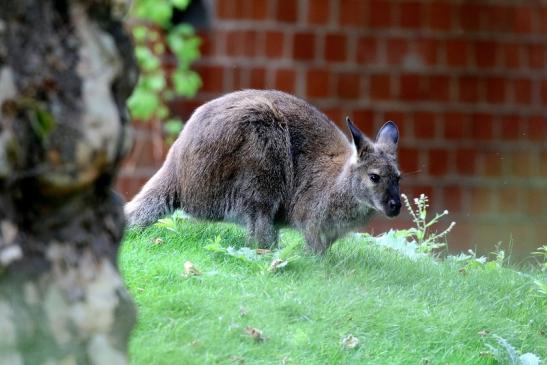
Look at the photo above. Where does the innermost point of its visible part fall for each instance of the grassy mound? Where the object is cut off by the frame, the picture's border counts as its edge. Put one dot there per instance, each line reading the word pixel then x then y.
pixel 359 304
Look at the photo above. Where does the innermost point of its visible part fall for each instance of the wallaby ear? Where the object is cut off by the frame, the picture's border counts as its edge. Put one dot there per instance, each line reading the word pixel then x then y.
pixel 361 142
pixel 388 137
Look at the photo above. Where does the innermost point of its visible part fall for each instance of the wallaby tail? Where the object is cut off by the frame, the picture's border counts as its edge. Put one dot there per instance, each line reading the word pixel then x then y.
pixel 157 198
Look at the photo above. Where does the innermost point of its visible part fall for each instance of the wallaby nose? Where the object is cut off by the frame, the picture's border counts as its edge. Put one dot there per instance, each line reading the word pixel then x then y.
pixel 394 207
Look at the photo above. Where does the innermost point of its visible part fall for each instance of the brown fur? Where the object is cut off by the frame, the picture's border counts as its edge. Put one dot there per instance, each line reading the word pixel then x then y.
pixel 266 159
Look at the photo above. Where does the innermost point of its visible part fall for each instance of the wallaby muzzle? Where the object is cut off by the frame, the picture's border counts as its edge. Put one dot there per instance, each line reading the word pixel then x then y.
pixel 392 203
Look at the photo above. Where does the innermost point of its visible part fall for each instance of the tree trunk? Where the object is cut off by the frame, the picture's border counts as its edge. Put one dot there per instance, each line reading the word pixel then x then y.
pixel 66 69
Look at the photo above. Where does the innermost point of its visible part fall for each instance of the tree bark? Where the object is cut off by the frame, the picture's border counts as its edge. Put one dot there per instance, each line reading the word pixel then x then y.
pixel 66 69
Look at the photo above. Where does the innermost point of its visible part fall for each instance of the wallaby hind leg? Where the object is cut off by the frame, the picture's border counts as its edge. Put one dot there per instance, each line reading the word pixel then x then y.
pixel 317 242
pixel 261 231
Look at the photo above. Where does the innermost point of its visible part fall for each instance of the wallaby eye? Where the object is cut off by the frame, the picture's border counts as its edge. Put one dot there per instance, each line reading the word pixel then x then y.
pixel 375 178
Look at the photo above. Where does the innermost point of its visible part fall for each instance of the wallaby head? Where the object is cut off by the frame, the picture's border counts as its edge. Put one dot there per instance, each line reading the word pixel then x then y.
pixel 374 174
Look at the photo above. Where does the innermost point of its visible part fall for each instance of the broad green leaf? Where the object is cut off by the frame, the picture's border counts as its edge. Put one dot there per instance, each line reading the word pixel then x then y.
pixel 180 4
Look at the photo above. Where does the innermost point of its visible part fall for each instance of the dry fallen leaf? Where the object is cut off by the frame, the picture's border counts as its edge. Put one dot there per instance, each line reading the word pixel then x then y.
pixel 237 359
pixel 483 333
pixel 190 269
pixel 350 341
pixel 263 251
pixel 157 241
pixel 277 264
pixel 255 333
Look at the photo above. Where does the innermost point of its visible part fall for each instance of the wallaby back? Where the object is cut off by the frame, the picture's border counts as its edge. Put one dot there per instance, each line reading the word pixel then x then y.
pixel 264 159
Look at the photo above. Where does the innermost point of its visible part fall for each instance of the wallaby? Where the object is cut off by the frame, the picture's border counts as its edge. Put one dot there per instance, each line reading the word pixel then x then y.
pixel 265 159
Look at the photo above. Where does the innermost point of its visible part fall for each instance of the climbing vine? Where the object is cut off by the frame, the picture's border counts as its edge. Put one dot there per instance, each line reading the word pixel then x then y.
pixel 156 37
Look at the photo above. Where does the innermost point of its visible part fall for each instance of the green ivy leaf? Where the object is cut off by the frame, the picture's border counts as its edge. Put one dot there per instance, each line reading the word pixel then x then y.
pixel 180 4
pixel 186 82
pixel 146 59
pixel 173 126
pixel 143 104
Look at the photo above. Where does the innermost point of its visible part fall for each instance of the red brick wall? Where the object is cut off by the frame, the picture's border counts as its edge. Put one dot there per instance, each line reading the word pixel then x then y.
pixel 464 80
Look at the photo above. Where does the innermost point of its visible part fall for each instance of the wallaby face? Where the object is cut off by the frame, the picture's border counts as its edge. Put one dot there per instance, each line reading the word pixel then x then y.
pixel 374 173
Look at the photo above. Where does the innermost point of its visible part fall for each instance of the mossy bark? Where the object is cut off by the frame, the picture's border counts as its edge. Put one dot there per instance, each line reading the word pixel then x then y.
pixel 66 69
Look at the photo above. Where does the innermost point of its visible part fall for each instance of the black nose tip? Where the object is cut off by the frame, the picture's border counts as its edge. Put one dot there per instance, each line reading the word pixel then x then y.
pixel 394 206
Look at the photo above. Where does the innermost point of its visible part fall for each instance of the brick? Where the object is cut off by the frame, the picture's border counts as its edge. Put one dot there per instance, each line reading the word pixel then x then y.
pixel 481 200
pixel 424 125
pixel 543 92
pixel 304 46
pixel 456 125
pixel 468 89
pixel 212 78
pixel 543 163
pixel 522 89
pixel 364 119
pixel 536 58
pixel 318 12
pixel 496 17
pixel 129 185
pixel 380 13
pixel 411 87
pixel 466 161
pixel 249 43
pixel 485 53
pixel 285 80
pixel 521 164
pixel 225 10
pixel 440 15
pixel 258 9
pixel 207 46
pixel 408 160
pixel 366 50
pixel 452 198
pixel 542 20
pixel 536 201
pixel 257 78
pixel 335 114
pixel 469 16
pixel 510 55
pixel 287 11
pixel 396 50
pixel 411 14
pixel 380 88
pixel 509 200
pixel 537 128
pixel 274 44
pixel 145 152
pixel 398 118
pixel 495 90
pixel 317 83
pixel 241 9
pixel 353 12
pixel 437 165
pixel 238 76
pixel 335 47
pixel 233 43
pixel 481 126
pixel 347 86
pixel 510 127
pixel 457 52
pixel 522 19
pixel 492 164
pixel 439 88
pixel 416 190
pixel 427 49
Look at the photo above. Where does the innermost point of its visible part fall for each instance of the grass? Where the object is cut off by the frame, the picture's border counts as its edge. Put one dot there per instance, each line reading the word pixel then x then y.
pixel 401 311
